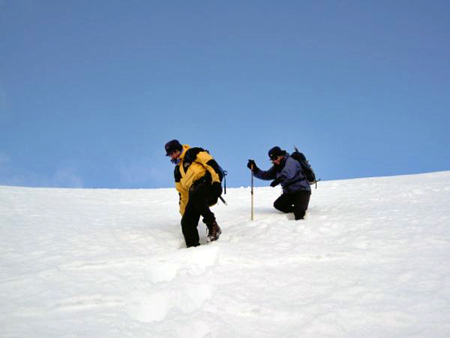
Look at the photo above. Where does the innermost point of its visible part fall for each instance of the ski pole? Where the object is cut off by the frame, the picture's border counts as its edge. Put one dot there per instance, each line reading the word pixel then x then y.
pixel 224 202
pixel 251 191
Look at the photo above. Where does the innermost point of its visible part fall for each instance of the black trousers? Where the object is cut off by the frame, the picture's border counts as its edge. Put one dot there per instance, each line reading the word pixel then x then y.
pixel 200 198
pixel 296 202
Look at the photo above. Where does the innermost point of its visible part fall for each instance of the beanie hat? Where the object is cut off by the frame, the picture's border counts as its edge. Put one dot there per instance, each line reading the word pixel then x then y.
pixel 171 146
pixel 275 152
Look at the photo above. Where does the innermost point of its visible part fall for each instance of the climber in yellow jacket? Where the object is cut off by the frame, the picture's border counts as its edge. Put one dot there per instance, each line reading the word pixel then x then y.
pixel 197 180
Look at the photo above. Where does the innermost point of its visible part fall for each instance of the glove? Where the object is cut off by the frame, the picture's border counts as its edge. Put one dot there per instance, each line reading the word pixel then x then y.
pixel 216 189
pixel 276 182
pixel 252 166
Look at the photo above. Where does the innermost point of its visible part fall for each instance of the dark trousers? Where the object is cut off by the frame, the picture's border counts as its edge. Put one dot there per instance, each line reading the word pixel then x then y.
pixel 296 202
pixel 198 205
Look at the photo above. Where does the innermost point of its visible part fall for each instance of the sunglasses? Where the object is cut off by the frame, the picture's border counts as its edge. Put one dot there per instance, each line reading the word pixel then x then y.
pixel 274 158
pixel 171 152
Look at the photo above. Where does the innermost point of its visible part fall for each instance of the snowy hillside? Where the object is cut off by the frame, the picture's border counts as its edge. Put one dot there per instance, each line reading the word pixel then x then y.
pixel 372 259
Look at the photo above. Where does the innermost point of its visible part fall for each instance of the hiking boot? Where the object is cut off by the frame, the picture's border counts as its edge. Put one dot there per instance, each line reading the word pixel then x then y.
pixel 213 232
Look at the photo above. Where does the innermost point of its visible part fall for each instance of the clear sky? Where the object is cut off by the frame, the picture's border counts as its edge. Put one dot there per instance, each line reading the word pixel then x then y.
pixel 90 91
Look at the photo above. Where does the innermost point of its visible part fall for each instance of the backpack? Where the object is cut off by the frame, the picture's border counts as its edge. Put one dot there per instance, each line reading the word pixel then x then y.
pixel 306 167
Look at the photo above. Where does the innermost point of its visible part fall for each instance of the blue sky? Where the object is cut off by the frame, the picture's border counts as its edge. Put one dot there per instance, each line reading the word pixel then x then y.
pixel 90 91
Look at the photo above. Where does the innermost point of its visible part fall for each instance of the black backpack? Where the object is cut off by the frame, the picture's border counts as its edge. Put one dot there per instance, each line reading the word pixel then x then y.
pixel 306 167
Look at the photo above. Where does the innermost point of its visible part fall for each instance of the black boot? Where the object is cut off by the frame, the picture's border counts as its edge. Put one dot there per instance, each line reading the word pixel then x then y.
pixel 213 232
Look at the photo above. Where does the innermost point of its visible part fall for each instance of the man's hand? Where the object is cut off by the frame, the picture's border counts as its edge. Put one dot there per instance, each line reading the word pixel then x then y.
pixel 276 182
pixel 252 166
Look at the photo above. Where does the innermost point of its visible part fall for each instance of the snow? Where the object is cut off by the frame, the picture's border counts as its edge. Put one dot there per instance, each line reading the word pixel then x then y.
pixel 371 259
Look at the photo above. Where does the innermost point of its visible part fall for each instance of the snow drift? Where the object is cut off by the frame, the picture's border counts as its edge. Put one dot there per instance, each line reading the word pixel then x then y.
pixel 371 259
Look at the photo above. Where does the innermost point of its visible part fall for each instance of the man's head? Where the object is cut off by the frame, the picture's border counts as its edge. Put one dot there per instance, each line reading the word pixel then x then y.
pixel 276 155
pixel 173 149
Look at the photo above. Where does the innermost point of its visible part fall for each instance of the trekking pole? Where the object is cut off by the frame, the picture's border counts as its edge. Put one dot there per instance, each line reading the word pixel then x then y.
pixel 223 201
pixel 251 191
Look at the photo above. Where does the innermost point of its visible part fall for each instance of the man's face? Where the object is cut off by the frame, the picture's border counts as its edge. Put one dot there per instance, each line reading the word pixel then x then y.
pixel 175 154
pixel 277 160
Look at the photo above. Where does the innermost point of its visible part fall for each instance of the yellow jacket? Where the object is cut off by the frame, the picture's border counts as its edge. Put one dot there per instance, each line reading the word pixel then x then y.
pixel 194 164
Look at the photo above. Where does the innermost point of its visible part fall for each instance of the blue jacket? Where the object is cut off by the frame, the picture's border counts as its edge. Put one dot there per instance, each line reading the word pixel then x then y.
pixel 290 172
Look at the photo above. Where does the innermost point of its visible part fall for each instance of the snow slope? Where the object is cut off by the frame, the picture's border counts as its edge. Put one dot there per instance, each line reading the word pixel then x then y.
pixel 372 259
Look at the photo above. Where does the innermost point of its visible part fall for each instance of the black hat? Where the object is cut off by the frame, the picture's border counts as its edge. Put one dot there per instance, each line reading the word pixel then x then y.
pixel 171 146
pixel 275 152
